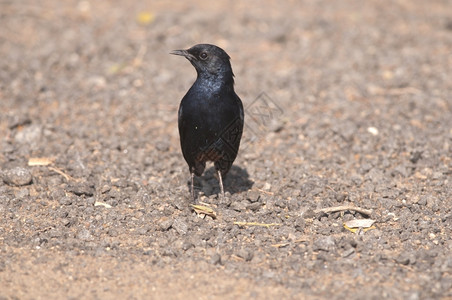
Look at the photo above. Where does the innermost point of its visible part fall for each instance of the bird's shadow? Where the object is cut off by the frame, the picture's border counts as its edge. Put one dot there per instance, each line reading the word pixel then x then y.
pixel 236 181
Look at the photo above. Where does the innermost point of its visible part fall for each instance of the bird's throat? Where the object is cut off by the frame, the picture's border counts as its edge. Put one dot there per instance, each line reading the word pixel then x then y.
pixel 213 84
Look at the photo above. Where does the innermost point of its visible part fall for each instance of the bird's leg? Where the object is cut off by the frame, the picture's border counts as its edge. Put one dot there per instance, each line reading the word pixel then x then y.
pixel 193 186
pixel 220 179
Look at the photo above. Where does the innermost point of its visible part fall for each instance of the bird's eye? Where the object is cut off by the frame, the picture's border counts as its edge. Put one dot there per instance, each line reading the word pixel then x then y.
pixel 203 55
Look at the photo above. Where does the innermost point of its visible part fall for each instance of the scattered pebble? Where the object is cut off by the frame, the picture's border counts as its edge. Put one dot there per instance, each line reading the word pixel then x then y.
pixel 165 224
pixel 246 254
pixel 29 135
pixel 66 200
pixel 372 130
pixel 216 259
pixel 17 177
pixel 82 188
pixel 180 226
pixel 84 235
pixel 325 244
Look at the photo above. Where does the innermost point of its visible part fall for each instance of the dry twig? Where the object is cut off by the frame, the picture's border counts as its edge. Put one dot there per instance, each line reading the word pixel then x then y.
pixel 342 208
pixel 66 176
pixel 256 224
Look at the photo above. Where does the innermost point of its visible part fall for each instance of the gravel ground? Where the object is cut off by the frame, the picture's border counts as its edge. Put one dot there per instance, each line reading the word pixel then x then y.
pixel 348 103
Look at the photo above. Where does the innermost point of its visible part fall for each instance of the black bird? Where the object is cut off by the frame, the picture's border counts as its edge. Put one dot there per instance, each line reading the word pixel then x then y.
pixel 210 114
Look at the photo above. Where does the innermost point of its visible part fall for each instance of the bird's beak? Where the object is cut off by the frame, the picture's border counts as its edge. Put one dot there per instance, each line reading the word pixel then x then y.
pixel 183 53
pixel 180 52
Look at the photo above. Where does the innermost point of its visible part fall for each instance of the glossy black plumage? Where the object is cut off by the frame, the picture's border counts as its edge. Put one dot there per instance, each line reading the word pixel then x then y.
pixel 211 114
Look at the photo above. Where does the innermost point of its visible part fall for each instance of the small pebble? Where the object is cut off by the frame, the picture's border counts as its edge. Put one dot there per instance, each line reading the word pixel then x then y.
pixel 165 224
pixel 325 243
pixel 245 254
pixel 180 226
pixel 253 196
pixel 17 176
pixel 372 130
pixel 84 235
pixel 215 259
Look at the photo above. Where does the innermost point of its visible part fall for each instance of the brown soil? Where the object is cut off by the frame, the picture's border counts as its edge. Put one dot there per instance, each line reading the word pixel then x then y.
pixel 357 110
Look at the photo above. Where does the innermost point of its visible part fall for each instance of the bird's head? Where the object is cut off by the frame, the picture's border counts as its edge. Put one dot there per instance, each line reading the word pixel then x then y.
pixel 207 59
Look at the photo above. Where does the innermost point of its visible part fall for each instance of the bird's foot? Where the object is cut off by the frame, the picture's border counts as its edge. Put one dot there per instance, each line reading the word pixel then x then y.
pixel 220 180
pixel 193 188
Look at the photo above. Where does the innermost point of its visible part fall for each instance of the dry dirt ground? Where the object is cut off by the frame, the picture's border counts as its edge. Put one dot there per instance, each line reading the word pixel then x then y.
pixel 356 111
